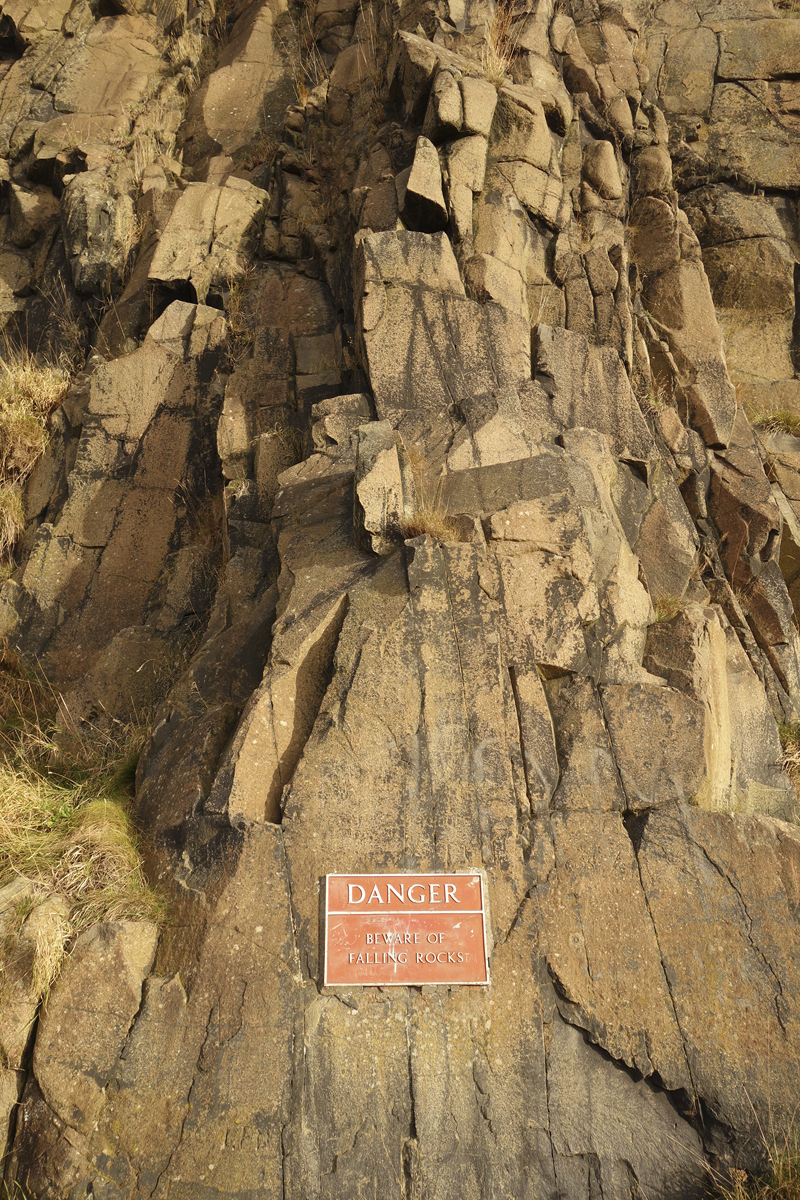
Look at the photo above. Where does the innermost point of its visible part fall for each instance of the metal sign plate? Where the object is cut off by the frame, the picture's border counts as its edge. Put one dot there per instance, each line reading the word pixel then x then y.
pixel 384 930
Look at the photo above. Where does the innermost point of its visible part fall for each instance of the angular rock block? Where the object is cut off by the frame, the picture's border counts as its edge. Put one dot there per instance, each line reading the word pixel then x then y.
pixel 425 344
pixel 210 236
pixel 384 497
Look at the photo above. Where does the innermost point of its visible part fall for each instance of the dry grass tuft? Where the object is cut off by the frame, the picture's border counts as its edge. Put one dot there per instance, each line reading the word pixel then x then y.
pixel 303 55
pixel 260 153
pixel 431 515
pixel 500 48
pixel 667 607
pixel 659 396
pixel 790 742
pixel 29 391
pixel 433 519
pixel 64 822
pixel 779 420
pixel 192 54
pixel 780 1182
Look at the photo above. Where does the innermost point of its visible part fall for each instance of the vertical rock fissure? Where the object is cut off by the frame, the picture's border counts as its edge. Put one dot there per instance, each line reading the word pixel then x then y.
pixel 667 983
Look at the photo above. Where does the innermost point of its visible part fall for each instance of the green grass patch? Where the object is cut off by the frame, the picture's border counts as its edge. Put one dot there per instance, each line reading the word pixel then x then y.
pixel 65 824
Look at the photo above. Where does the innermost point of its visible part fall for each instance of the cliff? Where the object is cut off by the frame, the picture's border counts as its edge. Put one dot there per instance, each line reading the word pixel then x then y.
pixel 428 484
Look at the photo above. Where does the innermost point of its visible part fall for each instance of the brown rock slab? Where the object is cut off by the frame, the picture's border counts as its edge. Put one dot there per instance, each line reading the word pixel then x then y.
pixel 657 737
pixel 721 891
pixel 589 781
pixel 73 1073
pixel 602 948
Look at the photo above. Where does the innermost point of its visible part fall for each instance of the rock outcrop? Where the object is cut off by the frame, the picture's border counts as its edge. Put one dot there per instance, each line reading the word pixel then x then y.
pixel 412 488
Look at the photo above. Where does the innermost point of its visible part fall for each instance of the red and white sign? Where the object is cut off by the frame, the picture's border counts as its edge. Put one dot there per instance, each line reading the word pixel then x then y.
pixel 384 930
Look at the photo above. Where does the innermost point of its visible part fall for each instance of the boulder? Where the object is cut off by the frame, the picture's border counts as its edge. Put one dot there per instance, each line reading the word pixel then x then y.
pixel 31 213
pixel 101 231
pixel 444 117
pixel 601 170
pixel 519 129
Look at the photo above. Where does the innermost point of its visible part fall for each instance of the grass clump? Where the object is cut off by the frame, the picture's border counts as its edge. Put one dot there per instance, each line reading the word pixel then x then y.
pixel 431 515
pixel 500 47
pixel 790 744
pixel 434 520
pixel 260 153
pixel 781 1181
pixel 65 827
pixel 29 392
pixel 659 395
pixel 779 420
pixel 667 607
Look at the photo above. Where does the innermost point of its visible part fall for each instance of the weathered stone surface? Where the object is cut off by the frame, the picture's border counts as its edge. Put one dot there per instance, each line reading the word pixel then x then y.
pixel 681 855
pixel 422 204
pixel 383 487
pixel 680 300
pixel 589 781
pixel 101 561
pixel 210 236
pixel 444 117
pixel 699 653
pixel 249 84
pixel 692 863
pixel 614 988
pixel 31 213
pixel 657 738
pixel 519 129
pixel 409 329
pixel 588 386
pixel 600 168
pixel 758 49
pixel 99 226
pixel 74 1075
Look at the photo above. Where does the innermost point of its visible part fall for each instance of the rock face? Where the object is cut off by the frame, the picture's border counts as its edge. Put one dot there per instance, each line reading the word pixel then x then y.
pixel 409 489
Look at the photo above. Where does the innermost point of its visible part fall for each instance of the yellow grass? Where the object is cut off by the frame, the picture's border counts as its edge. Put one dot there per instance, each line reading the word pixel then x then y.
pixel 434 520
pixel 778 420
pixel 781 1181
pixel 431 515
pixel 29 391
pixel 65 828
pixel 500 47
pixel 667 607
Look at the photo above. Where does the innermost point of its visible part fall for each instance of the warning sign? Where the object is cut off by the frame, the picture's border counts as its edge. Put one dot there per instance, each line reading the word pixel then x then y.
pixel 382 930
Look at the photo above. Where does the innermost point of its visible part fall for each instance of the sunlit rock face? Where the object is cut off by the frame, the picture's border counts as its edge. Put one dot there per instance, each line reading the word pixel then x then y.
pixel 431 490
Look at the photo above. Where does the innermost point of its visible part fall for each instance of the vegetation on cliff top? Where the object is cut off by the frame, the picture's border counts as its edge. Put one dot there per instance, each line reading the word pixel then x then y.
pixel 65 828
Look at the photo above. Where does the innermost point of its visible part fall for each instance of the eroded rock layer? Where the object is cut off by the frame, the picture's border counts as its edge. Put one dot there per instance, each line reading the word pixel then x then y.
pixel 410 482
